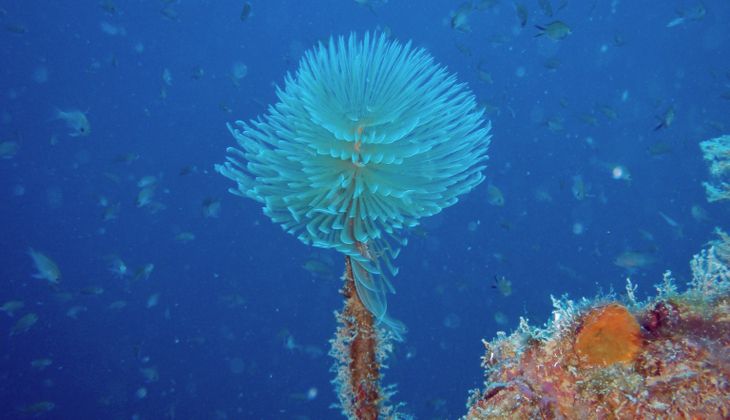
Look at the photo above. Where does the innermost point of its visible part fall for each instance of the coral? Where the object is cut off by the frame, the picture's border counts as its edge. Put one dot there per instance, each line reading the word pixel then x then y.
pixel 668 357
pixel 717 152
pixel 608 335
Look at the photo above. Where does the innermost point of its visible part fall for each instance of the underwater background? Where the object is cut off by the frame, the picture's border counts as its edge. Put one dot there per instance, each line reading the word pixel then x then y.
pixel 177 299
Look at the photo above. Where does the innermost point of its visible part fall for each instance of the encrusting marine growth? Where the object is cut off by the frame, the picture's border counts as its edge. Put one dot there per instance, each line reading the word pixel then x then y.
pixel 717 152
pixel 668 357
pixel 607 335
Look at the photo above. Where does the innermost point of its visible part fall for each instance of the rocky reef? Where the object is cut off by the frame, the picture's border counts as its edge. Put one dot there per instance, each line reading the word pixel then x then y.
pixel 611 357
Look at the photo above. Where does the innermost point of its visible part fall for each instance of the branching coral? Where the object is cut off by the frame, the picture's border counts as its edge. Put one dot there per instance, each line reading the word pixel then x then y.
pixel 717 152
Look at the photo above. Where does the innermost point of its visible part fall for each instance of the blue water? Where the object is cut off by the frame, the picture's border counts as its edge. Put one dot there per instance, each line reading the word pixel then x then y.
pixel 241 329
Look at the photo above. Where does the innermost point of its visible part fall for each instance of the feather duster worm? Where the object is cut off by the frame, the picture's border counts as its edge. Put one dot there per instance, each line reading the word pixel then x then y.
pixel 368 136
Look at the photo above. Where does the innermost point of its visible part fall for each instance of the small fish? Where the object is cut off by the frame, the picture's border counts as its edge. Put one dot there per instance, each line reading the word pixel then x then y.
pixel 238 72
pixel 109 7
pixel 170 13
pixel 150 374
pixel 495 196
pixel 47 268
pixel 167 76
pixel 676 21
pixel 16 28
pixel 500 318
pixel 671 222
pixel 75 120
pixel 463 49
pixel 37 409
pixel 484 75
pixel 112 177
pixel 503 285
pixel 309 396
pixel 40 364
pixel 211 208
pixel 113 30
pixel 144 272
pixel 542 195
pixel 699 214
pixel 8 149
pixel 233 300
pixel 155 207
pixel 147 181
pixel 74 311
pixel 111 212
pixel 589 119
pixel 419 231
pixel 118 267
pixel 551 63
pixel 460 18
pixel 290 343
pixel 116 305
pixel 555 124
pixel 126 158
pixel 676 227
pixel 555 30
pixel 225 108
pixel 521 11
pixel 452 321
pixel 609 112
pixel 24 324
pixel 632 260
pixel 579 188
pixel 570 272
pixel 547 8
pixel 63 297
pixel 92 291
pixel 659 148
pixel 198 73
pixel 12 306
pixel 694 14
pixel 102 201
pixel 153 300
pixel 145 195
pixel 245 12
pixel 318 268
pixel 185 237
pixel 619 40
pixel 188 169
pixel 369 4
pixel 666 119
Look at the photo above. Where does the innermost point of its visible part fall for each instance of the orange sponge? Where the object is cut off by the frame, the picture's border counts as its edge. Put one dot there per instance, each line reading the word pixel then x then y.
pixel 608 335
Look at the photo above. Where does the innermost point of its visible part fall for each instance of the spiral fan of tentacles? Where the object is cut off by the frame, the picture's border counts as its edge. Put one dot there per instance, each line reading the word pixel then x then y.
pixel 367 137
